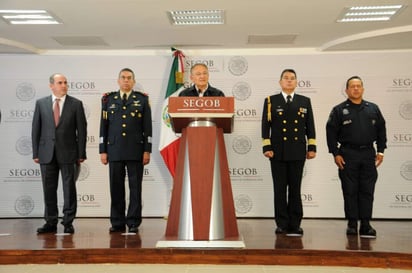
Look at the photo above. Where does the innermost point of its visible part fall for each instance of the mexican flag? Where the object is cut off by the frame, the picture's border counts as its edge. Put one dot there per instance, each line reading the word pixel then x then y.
pixel 169 141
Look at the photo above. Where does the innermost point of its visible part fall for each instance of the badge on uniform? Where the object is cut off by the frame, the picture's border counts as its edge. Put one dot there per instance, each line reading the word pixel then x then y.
pixel 303 110
pixel 279 111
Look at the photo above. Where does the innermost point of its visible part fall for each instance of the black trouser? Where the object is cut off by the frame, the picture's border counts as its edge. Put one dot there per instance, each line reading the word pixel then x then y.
pixel 117 193
pixel 287 180
pixel 358 180
pixel 50 179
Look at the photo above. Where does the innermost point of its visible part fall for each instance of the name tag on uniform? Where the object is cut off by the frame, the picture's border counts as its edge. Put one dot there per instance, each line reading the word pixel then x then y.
pixel 346 122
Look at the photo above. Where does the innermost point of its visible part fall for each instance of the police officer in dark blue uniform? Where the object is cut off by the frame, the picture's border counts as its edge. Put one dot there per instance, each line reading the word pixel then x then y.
pixel 126 144
pixel 353 127
pixel 288 133
pixel 199 75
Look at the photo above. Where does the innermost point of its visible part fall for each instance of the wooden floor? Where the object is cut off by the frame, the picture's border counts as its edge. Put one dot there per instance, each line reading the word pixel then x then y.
pixel 324 243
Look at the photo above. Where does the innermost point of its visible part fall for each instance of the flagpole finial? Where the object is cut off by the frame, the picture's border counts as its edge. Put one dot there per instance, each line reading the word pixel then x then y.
pixel 177 53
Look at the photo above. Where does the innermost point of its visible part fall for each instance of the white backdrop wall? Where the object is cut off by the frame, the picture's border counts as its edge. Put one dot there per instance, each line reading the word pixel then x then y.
pixel 388 82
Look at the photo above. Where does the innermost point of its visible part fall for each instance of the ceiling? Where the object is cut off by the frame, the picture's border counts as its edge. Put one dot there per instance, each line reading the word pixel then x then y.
pixel 121 25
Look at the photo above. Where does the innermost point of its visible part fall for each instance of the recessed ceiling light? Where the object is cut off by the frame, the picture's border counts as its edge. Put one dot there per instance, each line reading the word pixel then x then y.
pixel 197 17
pixel 369 13
pixel 28 17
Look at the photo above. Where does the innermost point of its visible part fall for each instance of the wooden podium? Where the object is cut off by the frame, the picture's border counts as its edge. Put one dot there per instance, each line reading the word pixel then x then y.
pixel 201 211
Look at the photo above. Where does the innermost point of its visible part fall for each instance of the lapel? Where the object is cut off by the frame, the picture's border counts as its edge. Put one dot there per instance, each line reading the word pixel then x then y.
pixel 278 103
pixel 65 111
pixel 279 100
pixel 49 106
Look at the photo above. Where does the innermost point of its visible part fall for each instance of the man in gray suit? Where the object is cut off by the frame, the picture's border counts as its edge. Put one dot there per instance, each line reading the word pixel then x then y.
pixel 59 132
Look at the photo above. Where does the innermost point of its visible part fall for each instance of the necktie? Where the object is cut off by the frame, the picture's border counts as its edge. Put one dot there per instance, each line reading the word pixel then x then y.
pixel 289 99
pixel 56 111
pixel 124 98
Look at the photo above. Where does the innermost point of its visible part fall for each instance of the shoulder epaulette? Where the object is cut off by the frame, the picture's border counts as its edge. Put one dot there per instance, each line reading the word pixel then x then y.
pixel 106 95
pixel 109 93
pixel 141 92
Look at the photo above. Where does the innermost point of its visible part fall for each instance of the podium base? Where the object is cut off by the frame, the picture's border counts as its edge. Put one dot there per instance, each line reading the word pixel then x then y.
pixel 235 243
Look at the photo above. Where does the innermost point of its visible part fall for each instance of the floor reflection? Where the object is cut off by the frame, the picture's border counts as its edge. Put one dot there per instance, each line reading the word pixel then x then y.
pixel 285 242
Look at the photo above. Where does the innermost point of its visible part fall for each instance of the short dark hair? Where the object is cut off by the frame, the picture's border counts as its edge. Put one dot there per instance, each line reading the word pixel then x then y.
pixel 127 70
pixel 290 70
pixel 353 78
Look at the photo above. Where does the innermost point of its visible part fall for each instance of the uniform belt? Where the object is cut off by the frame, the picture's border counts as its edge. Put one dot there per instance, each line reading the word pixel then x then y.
pixel 357 147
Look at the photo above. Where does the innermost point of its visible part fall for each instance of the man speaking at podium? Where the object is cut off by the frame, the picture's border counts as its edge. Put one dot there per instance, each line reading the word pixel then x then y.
pixel 199 75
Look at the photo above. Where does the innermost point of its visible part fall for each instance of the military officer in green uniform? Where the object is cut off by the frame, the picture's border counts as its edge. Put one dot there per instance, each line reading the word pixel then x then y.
pixel 288 133
pixel 126 144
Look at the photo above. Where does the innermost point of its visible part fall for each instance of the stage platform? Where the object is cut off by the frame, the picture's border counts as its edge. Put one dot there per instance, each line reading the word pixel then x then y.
pixel 323 244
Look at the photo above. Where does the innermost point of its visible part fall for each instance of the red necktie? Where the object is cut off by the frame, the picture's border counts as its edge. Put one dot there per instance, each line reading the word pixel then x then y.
pixel 56 111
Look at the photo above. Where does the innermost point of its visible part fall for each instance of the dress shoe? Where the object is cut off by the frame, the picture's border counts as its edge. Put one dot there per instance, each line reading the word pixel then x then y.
pixel 47 228
pixel 298 232
pixel 367 232
pixel 69 229
pixel 133 229
pixel 351 231
pixel 352 228
pixel 280 230
pixel 117 229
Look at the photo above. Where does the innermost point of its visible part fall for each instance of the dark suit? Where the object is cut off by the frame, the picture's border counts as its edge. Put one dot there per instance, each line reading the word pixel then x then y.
pixel 286 129
pixel 210 92
pixel 59 149
pixel 125 134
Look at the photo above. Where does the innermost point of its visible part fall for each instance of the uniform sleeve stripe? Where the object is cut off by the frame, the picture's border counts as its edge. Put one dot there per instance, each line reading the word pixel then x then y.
pixel 266 142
